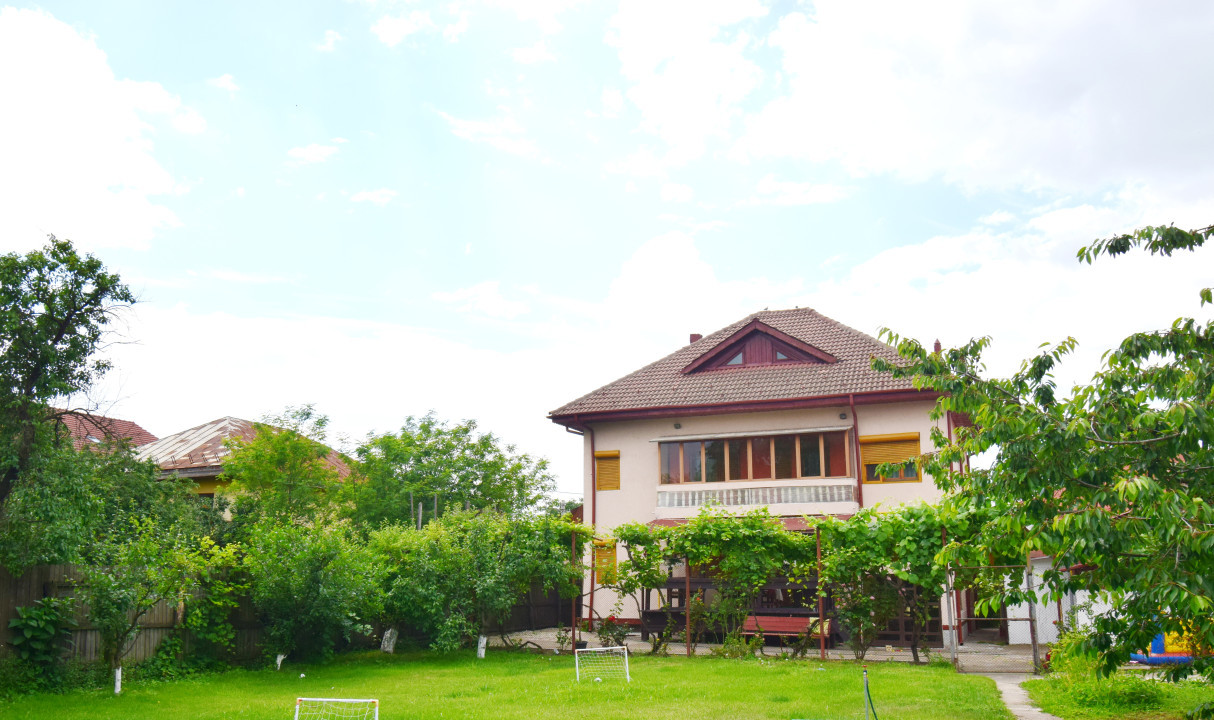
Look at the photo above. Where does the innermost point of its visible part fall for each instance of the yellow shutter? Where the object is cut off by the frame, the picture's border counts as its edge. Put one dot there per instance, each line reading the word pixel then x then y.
pixel 877 449
pixel 607 469
pixel 604 561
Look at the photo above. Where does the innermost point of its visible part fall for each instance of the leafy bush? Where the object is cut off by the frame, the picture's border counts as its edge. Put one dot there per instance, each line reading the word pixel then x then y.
pixel 39 632
pixel 1076 671
pixel 612 631
pixel 312 586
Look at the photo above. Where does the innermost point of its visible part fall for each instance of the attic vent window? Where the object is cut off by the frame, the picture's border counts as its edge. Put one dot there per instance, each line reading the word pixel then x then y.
pixel 92 439
pixel 759 344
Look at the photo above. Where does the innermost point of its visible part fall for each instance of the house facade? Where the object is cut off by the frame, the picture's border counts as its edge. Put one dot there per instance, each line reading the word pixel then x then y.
pixel 779 410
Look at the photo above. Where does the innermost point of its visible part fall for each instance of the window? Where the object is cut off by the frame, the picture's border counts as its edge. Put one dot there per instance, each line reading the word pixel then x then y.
pixel 605 561
pixel 876 450
pixel 780 457
pixel 607 470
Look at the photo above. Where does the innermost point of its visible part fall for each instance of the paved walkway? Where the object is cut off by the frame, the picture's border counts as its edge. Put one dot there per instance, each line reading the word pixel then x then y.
pixel 1015 697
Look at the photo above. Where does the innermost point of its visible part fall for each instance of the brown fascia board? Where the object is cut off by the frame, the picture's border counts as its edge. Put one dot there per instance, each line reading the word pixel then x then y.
pixel 874 397
pixel 738 336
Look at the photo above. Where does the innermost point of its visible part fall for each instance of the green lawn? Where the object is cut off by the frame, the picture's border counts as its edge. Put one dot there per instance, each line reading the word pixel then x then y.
pixel 531 687
pixel 1174 699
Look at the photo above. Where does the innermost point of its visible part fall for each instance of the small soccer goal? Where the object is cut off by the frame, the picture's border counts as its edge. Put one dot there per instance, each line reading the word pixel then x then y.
pixel 336 709
pixel 599 664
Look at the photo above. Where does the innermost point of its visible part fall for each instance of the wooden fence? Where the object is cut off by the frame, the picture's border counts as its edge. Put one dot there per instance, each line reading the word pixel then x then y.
pixel 43 581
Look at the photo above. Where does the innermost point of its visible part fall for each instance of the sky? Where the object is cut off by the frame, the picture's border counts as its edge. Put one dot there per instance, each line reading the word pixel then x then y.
pixel 487 208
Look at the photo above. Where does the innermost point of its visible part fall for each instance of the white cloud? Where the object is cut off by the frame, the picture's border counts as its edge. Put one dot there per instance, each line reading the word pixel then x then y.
pixel 543 13
pixel 503 133
pixel 453 31
pixel 380 197
pixel 225 82
pixel 642 163
pixel 998 217
pixel 1025 95
pixel 613 102
pixel 674 192
pixel 309 154
pixel 391 31
pixel 688 67
pixel 771 191
pixel 79 157
pixel 238 277
pixel 483 299
pixel 537 53
pixel 329 44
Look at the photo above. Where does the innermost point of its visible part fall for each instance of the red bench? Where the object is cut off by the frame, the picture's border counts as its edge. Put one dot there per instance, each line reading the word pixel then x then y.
pixel 782 626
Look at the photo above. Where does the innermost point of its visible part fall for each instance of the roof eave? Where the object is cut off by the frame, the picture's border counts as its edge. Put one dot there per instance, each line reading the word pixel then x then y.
pixel 871 397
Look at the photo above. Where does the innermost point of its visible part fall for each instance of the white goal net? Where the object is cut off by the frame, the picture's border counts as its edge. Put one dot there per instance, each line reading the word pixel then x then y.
pixel 598 664
pixel 336 709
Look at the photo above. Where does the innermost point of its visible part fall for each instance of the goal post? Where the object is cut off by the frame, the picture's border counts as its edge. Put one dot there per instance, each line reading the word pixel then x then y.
pixel 600 664
pixel 336 709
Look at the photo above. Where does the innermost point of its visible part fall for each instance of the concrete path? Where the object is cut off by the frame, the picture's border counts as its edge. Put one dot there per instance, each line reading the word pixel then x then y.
pixel 1015 697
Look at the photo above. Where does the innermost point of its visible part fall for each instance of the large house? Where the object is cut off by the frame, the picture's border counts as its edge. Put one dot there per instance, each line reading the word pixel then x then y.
pixel 780 409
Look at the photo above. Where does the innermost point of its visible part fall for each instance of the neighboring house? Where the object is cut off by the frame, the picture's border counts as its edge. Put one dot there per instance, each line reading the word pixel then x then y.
pixel 781 409
pixel 87 430
pixel 198 453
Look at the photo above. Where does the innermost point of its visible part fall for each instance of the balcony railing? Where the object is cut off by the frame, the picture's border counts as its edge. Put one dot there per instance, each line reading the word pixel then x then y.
pixel 767 495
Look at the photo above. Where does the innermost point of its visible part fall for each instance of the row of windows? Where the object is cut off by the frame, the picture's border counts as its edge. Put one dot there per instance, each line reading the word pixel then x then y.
pixel 810 455
pixel 776 457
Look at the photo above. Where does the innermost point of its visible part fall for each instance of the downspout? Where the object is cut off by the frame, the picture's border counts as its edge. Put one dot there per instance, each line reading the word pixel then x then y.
pixel 855 430
pixel 594 496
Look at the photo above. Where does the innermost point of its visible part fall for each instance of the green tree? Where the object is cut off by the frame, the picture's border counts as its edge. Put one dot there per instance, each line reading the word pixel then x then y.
pixel 132 572
pixel 462 573
pixel 55 306
pixel 286 471
pixel 1112 481
pixel 312 585
pixel 69 498
pixel 429 459
pixel 856 574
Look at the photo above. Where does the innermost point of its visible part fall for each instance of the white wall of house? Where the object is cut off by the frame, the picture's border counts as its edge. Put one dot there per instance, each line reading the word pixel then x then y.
pixel 642 498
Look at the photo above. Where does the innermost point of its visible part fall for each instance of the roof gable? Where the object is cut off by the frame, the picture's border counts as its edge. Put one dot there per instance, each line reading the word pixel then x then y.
pixel 757 343
pixel 675 384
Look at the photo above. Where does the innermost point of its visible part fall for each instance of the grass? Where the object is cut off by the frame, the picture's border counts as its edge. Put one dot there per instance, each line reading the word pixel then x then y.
pixel 1101 700
pixel 519 686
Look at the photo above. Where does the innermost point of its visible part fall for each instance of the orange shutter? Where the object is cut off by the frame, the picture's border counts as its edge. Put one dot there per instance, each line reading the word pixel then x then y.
pixel 604 561
pixel 607 470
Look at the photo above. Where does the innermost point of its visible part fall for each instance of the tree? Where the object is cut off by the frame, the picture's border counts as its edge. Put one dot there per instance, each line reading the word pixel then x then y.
pixel 429 461
pixel 132 573
pixel 286 470
pixel 312 585
pixel 68 499
pixel 54 309
pixel 1113 481
pixel 460 574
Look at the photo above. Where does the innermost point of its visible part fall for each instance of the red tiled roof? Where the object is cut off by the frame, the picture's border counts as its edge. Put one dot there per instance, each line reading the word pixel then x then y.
pixel 200 451
pixel 87 430
pixel 662 385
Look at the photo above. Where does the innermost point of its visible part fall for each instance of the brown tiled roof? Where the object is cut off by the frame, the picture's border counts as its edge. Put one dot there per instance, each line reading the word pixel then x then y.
pixel 88 430
pixel 200 451
pixel 662 384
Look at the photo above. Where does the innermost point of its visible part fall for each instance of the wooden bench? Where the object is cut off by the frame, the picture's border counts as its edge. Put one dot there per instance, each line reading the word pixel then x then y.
pixel 782 626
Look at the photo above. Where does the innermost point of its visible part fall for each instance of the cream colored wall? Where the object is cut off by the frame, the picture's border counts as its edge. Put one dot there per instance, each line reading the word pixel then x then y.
pixel 636 500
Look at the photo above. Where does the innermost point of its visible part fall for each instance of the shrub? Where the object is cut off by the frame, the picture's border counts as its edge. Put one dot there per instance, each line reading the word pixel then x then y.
pixel 1076 671
pixel 312 586
pixel 38 635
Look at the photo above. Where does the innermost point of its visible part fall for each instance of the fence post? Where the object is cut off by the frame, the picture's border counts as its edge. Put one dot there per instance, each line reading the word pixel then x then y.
pixel 822 626
pixel 948 601
pixel 1028 584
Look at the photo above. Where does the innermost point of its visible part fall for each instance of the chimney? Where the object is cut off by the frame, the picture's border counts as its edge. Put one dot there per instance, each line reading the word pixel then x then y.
pixel 696 337
pixel 937 347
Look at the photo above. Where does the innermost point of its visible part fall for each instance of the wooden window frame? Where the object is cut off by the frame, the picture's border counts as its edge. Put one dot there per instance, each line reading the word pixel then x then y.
pixel 890 438
pixel 748 440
